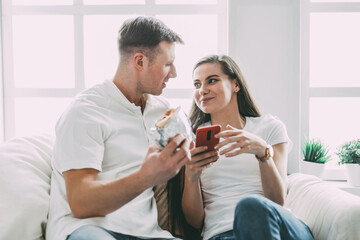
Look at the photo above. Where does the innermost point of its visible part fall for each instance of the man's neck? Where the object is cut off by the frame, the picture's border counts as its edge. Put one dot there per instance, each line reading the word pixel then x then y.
pixel 126 82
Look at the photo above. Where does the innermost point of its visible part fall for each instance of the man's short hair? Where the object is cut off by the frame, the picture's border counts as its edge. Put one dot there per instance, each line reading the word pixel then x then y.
pixel 143 34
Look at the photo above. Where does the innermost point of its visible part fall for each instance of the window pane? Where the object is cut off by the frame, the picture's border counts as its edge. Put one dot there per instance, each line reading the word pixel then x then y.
pixel 185 103
pixel 198 43
pixel 197 2
pixel 43 51
pixel 42 2
pixel 100 46
pixel 38 115
pixel 113 2
pixel 334 50
pixel 334 120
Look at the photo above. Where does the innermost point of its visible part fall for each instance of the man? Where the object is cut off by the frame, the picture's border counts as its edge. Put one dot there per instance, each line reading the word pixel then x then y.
pixel 104 163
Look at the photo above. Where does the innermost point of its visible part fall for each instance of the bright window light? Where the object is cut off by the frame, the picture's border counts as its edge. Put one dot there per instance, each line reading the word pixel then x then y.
pixel 101 54
pixel 43 48
pixel 54 52
pixel 334 50
pixel 200 40
pixel 197 2
pixel 334 120
pixel 38 115
pixel 113 2
pixel 42 2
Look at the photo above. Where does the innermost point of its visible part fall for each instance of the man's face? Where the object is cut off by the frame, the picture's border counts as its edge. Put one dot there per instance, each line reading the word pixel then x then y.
pixel 160 70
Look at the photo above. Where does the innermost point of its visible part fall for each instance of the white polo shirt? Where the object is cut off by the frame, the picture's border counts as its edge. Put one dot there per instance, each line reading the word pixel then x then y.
pixel 102 130
pixel 230 179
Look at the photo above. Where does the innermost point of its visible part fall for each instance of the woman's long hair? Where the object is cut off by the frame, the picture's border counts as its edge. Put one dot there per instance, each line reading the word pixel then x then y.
pixel 246 104
pixel 177 222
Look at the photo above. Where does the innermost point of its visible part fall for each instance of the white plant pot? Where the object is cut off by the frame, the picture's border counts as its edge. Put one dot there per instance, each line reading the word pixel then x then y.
pixel 315 169
pixel 353 174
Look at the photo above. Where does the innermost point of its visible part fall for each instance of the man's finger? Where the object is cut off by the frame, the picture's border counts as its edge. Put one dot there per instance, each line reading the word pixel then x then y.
pixel 173 144
pixel 183 150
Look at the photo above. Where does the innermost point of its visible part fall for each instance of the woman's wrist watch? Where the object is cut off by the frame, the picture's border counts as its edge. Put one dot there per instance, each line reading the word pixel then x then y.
pixel 269 153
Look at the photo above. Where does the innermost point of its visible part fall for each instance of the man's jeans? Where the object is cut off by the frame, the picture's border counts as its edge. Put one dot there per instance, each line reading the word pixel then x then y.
pixel 91 232
pixel 256 217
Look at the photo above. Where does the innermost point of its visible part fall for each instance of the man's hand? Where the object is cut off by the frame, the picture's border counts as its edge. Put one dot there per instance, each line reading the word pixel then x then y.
pixel 161 165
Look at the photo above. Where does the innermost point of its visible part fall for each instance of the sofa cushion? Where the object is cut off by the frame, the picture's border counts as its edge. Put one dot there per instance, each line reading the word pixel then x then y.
pixel 25 173
pixel 330 213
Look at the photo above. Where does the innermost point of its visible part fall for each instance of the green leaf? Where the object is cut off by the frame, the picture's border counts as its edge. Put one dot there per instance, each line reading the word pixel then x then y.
pixel 315 151
pixel 349 152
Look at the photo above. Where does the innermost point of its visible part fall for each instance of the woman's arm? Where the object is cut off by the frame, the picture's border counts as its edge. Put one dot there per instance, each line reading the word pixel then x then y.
pixel 273 171
pixel 273 174
pixel 192 201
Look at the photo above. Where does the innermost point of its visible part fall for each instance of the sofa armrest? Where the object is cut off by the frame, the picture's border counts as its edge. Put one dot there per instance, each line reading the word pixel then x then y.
pixel 25 174
pixel 329 212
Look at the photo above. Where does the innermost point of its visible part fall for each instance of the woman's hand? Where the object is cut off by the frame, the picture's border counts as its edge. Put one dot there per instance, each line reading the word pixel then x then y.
pixel 200 159
pixel 238 141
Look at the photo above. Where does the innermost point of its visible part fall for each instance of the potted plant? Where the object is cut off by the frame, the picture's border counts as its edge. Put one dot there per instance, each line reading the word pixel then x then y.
pixel 316 154
pixel 349 154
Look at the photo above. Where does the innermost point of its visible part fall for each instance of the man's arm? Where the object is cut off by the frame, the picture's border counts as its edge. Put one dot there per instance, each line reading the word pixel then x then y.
pixel 89 197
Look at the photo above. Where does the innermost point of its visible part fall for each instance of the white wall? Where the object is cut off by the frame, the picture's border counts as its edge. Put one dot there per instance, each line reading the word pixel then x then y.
pixel 264 38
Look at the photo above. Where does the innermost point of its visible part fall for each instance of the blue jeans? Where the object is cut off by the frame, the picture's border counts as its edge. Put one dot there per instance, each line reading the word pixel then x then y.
pixel 91 232
pixel 257 217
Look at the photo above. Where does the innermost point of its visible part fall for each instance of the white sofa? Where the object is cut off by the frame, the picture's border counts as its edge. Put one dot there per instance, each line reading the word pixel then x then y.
pixel 25 175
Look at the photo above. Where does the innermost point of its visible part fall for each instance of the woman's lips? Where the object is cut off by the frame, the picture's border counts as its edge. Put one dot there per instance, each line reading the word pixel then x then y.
pixel 205 100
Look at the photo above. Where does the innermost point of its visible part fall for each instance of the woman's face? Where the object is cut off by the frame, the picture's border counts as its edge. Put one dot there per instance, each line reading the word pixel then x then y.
pixel 214 91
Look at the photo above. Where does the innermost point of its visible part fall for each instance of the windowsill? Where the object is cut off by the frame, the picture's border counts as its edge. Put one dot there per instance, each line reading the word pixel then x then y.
pixel 334 174
pixel 333 171
pixel 343 185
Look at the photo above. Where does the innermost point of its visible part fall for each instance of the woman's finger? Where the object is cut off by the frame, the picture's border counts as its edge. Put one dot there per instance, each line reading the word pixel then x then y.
pixel 236 152
pixel 228 133
pixel 197 150
pixel 226 141
pixel 229 148
pixel 196 168
pixel 207 161
pixel 204 155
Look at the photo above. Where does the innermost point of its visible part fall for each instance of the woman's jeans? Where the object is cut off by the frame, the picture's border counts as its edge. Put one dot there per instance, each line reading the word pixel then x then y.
pixel 91 232
pixel 257 217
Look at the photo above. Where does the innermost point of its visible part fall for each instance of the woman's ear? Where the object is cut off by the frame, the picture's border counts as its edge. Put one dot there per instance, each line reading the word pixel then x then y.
pixel 237 88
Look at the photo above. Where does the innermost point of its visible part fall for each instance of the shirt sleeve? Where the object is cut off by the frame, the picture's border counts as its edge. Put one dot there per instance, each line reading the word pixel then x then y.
pixel 79 140
pixel 277 132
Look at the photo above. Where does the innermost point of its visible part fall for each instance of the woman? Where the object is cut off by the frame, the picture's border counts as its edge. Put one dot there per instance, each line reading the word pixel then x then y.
pixel 241 195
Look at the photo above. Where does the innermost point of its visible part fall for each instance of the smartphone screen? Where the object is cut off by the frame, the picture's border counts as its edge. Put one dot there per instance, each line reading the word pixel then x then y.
pixel 205 136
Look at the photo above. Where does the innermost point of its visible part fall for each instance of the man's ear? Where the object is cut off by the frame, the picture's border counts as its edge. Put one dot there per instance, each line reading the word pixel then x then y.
pixel 138 61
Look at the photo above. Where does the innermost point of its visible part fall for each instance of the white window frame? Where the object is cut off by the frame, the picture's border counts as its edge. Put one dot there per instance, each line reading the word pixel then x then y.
pixel 78 10
pixel 307 7
pixel 2 125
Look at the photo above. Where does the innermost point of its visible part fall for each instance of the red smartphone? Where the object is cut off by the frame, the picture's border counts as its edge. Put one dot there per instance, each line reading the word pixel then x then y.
pixel 205 137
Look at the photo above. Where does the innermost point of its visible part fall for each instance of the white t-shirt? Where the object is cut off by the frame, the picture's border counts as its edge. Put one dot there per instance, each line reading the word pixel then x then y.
pixel 233 178
pixel 102 130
